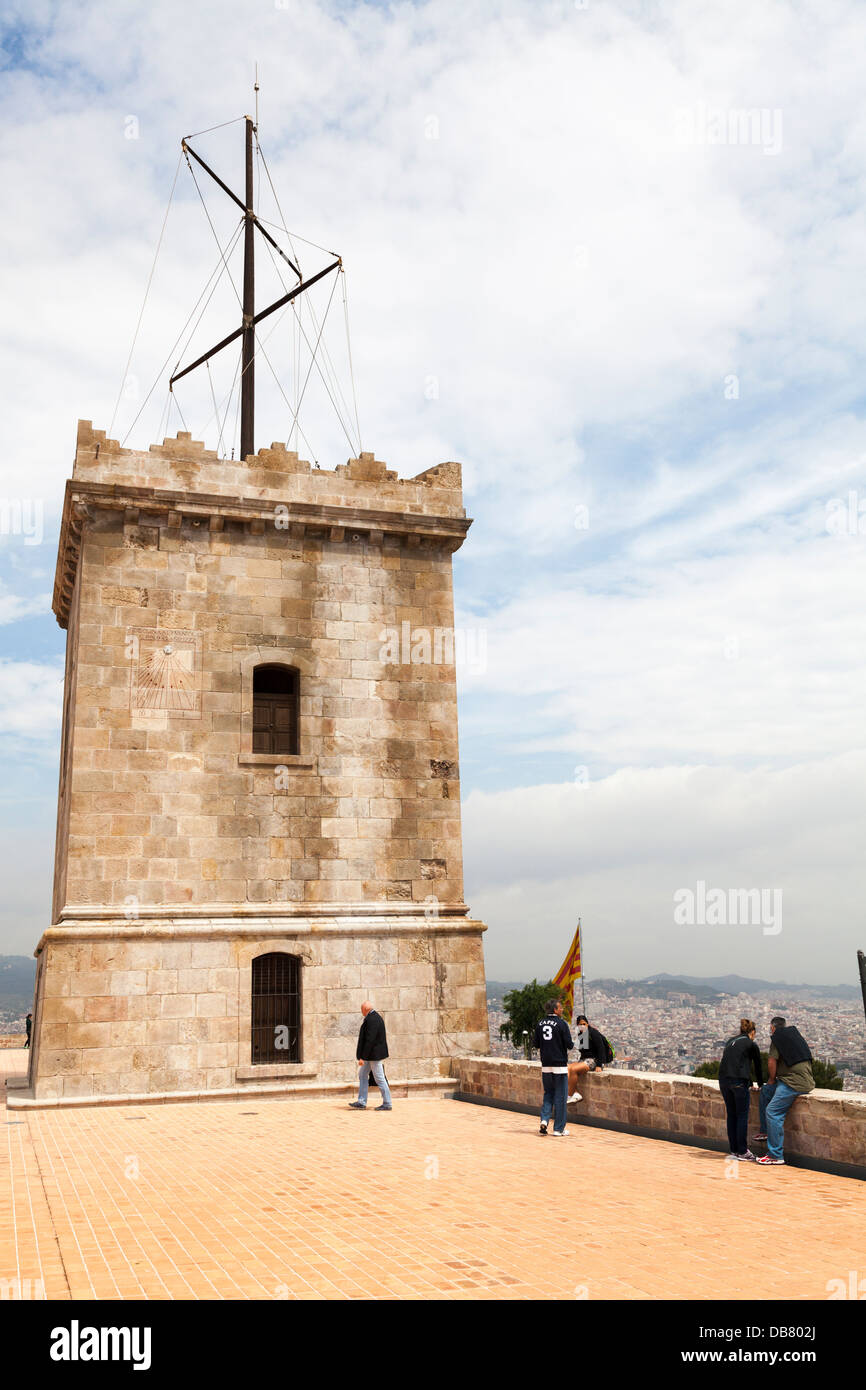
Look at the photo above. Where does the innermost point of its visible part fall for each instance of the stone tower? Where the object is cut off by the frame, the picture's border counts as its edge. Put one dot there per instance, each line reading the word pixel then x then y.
pixel 259 815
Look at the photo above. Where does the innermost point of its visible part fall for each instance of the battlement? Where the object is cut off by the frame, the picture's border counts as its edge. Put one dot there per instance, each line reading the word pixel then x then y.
pixel 273 474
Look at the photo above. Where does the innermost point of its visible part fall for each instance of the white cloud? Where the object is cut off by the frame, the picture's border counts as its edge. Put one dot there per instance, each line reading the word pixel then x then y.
pixel 616 851
pixel 31 696
pixel 13 607
pixel 555 133
pixel 752 658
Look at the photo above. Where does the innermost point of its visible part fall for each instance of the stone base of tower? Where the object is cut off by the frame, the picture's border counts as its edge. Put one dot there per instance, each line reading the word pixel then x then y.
pixel 162 1006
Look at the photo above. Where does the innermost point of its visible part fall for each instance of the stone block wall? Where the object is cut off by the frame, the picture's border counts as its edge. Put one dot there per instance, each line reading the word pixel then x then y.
pixel 182 853
pixel 172 806
pixel 827 1125
pixel 170 1011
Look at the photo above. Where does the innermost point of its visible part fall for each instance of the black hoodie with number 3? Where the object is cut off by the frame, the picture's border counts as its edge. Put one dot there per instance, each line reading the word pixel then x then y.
pixel 554 1041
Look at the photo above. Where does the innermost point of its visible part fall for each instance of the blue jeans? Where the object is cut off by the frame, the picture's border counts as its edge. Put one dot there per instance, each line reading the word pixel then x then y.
pixel 364 1082
pixel 776 1100
pixel 555 1096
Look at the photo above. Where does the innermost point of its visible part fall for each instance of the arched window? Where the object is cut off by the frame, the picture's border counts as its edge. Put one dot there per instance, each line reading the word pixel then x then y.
pixel 276 697
pixel 276 1008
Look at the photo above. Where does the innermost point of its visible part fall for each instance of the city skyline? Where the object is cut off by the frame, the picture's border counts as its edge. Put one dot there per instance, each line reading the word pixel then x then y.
pixel 676 1034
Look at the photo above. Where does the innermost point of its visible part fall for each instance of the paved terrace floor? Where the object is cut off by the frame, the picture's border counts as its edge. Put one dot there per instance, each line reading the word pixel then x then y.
pixel 436 1200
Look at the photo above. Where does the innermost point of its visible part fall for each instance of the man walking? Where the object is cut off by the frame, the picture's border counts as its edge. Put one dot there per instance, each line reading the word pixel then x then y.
pixel 371 1052
pixel 554 1041
pixel 790 1069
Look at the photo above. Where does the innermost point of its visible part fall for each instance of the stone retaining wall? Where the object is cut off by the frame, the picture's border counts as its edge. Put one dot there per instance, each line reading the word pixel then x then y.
pixel 826 1128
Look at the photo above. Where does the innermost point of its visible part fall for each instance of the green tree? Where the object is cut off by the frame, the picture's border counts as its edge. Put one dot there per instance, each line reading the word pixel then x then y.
pixel 526 1007
pixel 826 1075
pixel 710 1069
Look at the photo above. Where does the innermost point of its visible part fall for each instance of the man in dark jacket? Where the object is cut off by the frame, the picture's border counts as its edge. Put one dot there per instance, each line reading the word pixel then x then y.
pixel 371 1052
pixel 790 1067
pixel 554 1042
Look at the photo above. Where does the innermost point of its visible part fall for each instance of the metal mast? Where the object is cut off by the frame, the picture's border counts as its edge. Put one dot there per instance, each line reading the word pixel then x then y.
pixel 248 363
pixel 250 318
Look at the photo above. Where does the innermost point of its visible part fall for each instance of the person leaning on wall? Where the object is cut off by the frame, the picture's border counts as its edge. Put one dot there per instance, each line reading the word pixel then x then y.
pixel 739 1057
pixel 790 1068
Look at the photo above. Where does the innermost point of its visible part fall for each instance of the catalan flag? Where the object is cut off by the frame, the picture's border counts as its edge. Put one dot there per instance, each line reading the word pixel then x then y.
pixel 569 971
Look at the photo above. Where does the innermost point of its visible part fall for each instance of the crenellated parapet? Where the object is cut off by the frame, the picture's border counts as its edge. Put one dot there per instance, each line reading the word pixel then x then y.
pixel 274 473
pixel 180 484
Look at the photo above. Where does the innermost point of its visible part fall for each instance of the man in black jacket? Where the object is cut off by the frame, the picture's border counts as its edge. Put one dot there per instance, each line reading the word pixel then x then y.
pixel 790 1069
pixel 371 1052
pixel 554 1042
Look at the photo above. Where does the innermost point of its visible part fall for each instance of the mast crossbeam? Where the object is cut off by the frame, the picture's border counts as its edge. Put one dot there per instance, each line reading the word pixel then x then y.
pixel 249 317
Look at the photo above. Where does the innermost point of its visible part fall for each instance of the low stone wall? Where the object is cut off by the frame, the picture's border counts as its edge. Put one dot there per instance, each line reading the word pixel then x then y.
pixel 826 1129
pixel 12 1039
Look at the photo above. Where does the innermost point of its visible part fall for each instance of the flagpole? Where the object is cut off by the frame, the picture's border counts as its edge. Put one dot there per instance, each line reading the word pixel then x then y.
pixel 569 970
pixel 582 968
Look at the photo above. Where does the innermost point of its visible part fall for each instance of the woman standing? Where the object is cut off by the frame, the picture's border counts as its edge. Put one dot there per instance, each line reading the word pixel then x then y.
pixel 738 1058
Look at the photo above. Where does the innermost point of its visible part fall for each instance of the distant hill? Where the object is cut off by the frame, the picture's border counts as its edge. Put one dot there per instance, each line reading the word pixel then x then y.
pixel 741 984
pixel 497 989
pixel 702 987
pixel 17 979
pixel 657 987
pixel 665 985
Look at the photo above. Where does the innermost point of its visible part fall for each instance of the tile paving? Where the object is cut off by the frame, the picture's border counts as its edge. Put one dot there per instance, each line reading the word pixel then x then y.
pixel 437 1200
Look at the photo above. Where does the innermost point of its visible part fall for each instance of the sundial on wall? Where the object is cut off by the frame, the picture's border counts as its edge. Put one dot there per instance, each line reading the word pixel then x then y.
pixel 166 673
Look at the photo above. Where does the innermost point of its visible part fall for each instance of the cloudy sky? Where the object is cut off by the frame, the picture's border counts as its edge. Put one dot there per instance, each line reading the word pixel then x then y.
pixel 609 256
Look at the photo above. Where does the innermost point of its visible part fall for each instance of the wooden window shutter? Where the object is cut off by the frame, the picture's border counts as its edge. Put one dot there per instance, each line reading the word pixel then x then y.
pixel 276 701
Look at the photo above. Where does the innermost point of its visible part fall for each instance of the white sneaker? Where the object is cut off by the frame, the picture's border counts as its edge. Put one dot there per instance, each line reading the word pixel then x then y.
pixel 561 1134
pixel 576 1097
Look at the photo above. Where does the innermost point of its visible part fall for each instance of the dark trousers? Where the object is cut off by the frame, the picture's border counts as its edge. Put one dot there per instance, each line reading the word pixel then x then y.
pixel 736 1097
